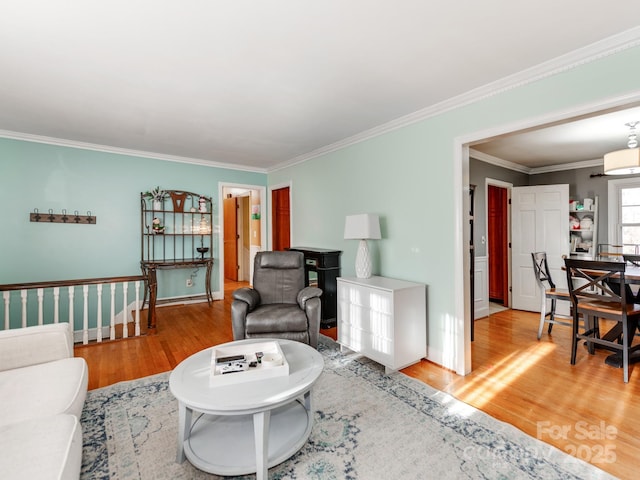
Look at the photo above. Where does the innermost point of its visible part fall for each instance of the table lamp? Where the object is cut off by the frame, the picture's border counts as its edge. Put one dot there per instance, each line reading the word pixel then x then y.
pixel 362 227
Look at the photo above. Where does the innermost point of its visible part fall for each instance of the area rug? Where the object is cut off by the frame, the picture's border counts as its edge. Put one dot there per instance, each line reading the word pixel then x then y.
pixel 368 425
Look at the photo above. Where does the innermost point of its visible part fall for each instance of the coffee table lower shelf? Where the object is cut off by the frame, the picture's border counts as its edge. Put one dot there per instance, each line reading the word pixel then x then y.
pixel 225 444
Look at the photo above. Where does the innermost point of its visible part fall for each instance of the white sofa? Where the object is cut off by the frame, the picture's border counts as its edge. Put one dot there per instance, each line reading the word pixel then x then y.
pixel 42 392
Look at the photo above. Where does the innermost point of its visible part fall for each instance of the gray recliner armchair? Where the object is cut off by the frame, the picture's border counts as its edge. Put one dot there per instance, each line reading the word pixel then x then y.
pixel 278 305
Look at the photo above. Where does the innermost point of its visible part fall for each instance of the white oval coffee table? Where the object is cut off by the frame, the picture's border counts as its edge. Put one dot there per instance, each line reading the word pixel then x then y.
pixel 244 427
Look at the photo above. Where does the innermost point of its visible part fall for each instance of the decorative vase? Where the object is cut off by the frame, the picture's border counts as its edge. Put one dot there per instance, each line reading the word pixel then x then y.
pixel 157 205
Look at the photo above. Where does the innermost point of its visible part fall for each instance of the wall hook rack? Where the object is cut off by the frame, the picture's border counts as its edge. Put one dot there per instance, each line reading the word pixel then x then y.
pixel 64 217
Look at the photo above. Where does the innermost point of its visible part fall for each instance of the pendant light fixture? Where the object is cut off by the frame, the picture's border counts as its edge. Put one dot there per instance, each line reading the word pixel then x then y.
pixel 627 161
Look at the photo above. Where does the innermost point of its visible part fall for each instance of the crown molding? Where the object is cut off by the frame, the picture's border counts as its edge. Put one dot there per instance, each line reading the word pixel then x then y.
pixel 598 162
pixel 603 48
pixel 485 157
pixel 62 142
pixel 609 46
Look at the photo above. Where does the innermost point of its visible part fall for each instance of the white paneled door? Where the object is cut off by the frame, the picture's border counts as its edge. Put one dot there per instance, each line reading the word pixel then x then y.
pixel 539 223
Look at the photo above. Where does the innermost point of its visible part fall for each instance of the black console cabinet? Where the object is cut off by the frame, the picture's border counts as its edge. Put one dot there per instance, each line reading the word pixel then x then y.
pixel 322 268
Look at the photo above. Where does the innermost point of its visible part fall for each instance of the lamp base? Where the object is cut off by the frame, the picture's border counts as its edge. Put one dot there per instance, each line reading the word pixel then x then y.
pixel 363 260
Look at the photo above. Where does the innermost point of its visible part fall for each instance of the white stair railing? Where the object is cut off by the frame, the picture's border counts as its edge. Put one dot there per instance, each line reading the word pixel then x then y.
pixel 41 302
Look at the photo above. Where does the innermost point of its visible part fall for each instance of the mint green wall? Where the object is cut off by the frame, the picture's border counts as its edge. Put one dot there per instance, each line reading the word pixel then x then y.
pixel 35 175
pixel 408 177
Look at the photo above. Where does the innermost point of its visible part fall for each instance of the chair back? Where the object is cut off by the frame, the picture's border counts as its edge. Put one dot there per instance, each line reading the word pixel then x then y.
pixel 541 270
pixel 278 276
pixel 599 281
pixel 609 251
pixel 632 259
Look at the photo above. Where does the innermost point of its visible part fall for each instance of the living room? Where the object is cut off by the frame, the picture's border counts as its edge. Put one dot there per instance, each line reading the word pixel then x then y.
pixel 412 172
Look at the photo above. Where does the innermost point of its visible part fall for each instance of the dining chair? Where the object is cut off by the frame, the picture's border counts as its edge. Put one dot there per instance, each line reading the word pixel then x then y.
pixel 593 297
pixel 632 260
pixel 548 291
pixel 609 251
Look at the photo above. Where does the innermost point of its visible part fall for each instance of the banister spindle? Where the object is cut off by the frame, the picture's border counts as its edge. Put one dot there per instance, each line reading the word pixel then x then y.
pixel 56 304
pixel 40 292
pixel 112 329
pixel 7 300
pixel 137 307
pixel 85 314
pixel 125 316
pixel 23 296
pixel 72 291
pixel 99 314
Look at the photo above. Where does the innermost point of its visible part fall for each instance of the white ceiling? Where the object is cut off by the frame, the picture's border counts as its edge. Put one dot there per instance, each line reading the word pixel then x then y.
pixel 259 84
pixel 577 140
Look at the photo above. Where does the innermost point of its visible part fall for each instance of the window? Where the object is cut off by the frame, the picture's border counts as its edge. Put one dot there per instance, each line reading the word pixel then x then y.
pixel 624 214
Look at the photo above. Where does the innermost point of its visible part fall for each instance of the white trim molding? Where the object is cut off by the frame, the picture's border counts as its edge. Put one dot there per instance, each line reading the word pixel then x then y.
pixel 595 51
pixel 609 46
pixel 62 142
pixel 499 162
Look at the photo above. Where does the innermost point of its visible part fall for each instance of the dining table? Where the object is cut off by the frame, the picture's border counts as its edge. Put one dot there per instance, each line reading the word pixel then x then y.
pixel 631 277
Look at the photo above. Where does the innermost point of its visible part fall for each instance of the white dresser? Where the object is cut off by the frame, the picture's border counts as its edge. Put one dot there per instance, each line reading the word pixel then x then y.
pixel 384 319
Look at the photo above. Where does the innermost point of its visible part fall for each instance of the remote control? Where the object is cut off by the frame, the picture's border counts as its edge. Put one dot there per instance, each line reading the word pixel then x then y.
pixel 231 358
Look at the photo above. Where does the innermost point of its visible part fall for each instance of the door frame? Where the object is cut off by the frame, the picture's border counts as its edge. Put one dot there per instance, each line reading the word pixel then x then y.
pixel 508 186
pixel 219 229
pixel 461 326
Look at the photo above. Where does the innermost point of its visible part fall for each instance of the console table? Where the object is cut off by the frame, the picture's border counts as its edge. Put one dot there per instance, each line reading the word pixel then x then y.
pixel 149 269
pixel 322 267
pixel 385 319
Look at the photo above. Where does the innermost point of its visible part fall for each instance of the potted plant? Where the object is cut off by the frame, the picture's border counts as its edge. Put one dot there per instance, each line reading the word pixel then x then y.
pixel 157 195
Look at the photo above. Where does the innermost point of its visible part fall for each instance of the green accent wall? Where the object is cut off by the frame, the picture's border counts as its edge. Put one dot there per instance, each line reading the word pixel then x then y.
pixel 411 178
pixel 35 175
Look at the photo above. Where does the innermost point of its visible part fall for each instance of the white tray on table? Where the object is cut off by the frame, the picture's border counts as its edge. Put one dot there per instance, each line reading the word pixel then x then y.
pixel 270 349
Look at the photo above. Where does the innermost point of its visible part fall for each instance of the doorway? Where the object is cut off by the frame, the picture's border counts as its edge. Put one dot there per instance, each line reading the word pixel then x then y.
pixel 498 243
pixel 461 338
pixel 236 238
pixel 242 231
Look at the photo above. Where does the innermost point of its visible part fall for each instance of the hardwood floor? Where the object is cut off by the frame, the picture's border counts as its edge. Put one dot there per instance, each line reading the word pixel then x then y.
pixel 584 409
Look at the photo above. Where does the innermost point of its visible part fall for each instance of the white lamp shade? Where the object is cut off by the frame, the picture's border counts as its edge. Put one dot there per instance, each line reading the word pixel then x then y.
pixel 622 162
pixel 363 226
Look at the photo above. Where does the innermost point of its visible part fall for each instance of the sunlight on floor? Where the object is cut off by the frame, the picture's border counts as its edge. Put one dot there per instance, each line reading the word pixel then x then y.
pixel 457 407
pixel 487 384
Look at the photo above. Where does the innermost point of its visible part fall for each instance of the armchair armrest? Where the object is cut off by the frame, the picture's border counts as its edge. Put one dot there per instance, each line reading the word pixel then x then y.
pixel 247 295
pixel 22 347
pixel 306 294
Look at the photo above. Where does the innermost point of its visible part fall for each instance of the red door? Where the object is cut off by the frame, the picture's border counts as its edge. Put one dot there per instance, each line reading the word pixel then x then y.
pixel 281 218
pixel 230 207
pixel 497 244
